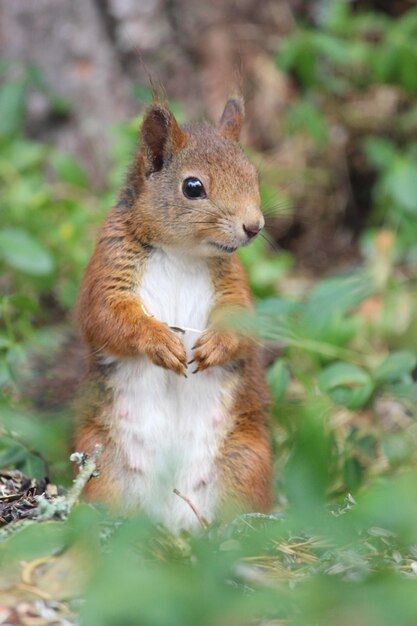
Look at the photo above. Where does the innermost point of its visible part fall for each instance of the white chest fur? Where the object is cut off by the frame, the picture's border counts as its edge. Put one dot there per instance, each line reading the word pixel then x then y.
pixel 169 427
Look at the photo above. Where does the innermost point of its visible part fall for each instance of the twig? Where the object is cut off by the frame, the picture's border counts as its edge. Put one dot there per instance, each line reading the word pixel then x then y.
pixel 177 329
pixel 182 329
pixel 202 521
pixel 61 507
pixel 88 469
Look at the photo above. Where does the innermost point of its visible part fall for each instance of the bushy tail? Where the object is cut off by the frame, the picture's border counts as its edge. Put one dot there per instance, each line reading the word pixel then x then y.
pixel 51 376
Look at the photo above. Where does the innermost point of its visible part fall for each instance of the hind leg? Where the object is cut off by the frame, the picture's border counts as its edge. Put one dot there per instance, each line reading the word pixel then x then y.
pixel 245 468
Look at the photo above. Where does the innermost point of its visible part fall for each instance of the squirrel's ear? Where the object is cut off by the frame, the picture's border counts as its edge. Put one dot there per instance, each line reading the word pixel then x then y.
pixel 231 121
pixel 161 138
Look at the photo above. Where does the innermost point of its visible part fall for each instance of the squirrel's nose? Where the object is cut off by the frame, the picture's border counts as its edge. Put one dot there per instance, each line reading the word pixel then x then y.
pixel 252 229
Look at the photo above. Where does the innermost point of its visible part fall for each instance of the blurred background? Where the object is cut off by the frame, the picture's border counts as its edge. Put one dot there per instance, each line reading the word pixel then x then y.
pixel 330 89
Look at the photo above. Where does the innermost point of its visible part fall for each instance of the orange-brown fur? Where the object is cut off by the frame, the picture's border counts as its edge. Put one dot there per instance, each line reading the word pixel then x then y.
pixel 110 311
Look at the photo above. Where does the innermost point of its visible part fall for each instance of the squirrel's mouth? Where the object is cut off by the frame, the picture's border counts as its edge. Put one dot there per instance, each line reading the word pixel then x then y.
pixel 223 247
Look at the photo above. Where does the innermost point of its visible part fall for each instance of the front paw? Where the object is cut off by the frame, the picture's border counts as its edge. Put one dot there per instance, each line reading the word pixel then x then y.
pixel 215 347
pixel 165 348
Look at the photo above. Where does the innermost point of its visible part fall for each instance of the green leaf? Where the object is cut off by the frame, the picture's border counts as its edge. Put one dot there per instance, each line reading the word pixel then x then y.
pixel 34 541
pixel 26 155
pixel 278 378
pixel 298 54
pixel 12 106
pixel 384 62
pixel 308 471
pixel 68 170
pixel 23 302
pixel 5 374
pixel 352 473
pixel 346 384
pixel 263 270
pixel 5 342
pixel 397 448
pixel 34 466
pixel 266 273
pixel 277 307
pixel 395 366
pixel 334 297
pixel 406 64
pixel 401 183
pixel 304 117
pixel 12 454
pixel 380 152
pixel 335 49
pixel 23 252
pixel 403 389
pixel 15 454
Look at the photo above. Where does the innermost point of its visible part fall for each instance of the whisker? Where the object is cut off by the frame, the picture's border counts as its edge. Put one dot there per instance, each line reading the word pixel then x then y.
pixel 270 241
pixel 222 212
pixel 202 211
pixel 277 194
pixel 221 219
pixel 183 223
pixel 278 205
pixel 276 213
pixel 207 228
pixel 279 208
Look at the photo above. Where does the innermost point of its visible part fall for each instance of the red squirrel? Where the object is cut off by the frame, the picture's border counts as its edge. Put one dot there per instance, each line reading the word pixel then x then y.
pixel 176 400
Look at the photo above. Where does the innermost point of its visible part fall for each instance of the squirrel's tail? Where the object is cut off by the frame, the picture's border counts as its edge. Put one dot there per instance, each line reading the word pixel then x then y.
pixel 51 377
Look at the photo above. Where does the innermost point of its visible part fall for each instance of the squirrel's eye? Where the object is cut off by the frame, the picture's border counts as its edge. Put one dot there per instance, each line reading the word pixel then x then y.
pixel 193 188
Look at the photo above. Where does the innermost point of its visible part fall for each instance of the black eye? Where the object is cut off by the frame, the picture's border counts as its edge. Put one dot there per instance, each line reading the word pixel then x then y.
pixel 193 188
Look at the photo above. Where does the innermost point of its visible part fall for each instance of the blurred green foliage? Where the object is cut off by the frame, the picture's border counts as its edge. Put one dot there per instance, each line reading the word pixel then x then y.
pixel 353 53
pixel 341 545
pixel 353 49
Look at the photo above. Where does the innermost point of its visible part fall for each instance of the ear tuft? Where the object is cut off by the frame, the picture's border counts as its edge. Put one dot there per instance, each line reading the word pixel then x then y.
pixel 232 119
pixel 161 138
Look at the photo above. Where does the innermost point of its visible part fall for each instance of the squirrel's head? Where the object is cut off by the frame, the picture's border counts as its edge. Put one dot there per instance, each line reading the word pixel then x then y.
pixel 198 191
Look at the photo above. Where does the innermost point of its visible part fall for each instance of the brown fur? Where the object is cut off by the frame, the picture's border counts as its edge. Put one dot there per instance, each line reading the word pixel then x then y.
pixel 152 212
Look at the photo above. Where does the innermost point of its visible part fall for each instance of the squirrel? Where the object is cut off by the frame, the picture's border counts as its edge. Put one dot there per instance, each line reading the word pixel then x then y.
pixel 177 401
